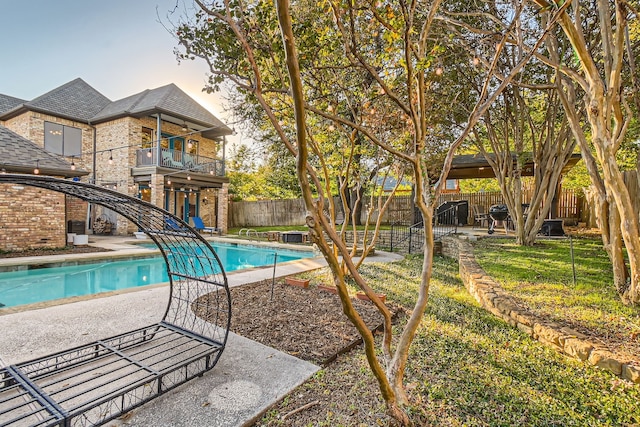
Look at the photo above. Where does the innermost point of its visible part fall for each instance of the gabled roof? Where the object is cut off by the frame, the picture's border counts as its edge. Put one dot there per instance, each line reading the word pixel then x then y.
pixel 18 154
pixel 8 102
pixel 169 101
pixel 80 102
pixel 75 100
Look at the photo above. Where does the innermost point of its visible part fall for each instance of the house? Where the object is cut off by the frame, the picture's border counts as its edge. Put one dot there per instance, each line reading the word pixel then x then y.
pixel 159 145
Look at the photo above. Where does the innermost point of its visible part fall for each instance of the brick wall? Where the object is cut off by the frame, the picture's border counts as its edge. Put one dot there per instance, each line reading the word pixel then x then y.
pixel 223 208
pixel 209 209
pixel 76 210
pixel 30 125
pixel 121 133
pixel 20 125
pixel 31 218
pixel 124 134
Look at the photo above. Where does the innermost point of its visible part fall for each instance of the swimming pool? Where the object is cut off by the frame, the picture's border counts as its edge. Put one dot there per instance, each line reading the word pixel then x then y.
pixel 46 284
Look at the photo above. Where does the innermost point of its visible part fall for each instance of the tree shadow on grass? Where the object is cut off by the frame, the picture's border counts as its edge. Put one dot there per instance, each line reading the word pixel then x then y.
pixel 468 367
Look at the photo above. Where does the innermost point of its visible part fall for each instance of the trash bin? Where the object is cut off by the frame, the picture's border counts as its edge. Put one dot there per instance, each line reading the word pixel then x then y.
pixel 447 216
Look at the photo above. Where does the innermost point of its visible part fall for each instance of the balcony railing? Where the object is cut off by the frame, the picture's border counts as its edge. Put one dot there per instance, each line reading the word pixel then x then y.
pixel 179 160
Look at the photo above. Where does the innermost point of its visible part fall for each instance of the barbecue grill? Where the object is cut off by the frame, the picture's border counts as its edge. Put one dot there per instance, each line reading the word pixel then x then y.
pixel 497 213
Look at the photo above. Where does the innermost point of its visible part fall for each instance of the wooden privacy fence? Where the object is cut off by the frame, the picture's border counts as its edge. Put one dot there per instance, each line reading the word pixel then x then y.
pixel 265 213
pixel 570 203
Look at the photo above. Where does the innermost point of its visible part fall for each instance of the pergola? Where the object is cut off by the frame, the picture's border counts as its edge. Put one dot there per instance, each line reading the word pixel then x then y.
pixel 468 166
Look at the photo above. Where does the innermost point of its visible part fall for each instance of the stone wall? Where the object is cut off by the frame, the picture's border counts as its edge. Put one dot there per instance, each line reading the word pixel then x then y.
pixel 31 218
pixel 567 341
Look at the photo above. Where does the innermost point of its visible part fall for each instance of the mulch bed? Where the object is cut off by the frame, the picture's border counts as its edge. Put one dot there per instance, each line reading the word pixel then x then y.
pixel 304 322
pixel 57 251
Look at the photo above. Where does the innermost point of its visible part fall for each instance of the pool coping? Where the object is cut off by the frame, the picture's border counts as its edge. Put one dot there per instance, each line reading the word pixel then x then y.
pixel 133 250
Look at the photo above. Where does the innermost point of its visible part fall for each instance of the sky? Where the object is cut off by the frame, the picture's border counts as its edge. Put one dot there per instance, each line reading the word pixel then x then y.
pixel 119 47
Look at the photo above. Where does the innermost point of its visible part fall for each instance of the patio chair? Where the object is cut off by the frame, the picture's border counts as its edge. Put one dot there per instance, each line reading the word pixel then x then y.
pixel 198 224
pixel 480 218
pixel 188 161
pixel 168 160
pixel 171 224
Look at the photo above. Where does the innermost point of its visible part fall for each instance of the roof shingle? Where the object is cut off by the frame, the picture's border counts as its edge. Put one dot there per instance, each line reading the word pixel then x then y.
pixel 76 100
pixel 169 99
pixel 9 102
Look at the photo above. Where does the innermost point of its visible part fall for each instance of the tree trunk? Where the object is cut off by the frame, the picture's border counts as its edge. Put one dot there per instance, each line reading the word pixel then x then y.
pixel 318 225
pixel 355 202
pixel 615 251
pixel 628 225
pixel 608 222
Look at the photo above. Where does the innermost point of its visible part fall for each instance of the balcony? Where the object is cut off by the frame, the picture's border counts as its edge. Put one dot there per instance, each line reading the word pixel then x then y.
pixel 179 160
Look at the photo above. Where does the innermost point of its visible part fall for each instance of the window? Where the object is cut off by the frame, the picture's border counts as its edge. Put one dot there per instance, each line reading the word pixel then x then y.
pixel 147 138
pixel 452 185
pixel 192 146
pixel 63 140
pixel 144 192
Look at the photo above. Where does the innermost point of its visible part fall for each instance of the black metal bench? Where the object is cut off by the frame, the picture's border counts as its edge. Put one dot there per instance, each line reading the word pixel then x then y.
pixel 97 382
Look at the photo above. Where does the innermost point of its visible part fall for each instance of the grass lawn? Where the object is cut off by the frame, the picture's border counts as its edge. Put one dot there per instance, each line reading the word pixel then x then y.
pixel 467 368
pixel 541 277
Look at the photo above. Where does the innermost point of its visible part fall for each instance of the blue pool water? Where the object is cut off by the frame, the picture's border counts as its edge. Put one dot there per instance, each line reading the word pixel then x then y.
pixel 45 284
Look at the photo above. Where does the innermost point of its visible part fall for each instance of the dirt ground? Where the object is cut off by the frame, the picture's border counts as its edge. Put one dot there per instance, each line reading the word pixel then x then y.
pixel 305 322
pixel 309 324
pixel 56 251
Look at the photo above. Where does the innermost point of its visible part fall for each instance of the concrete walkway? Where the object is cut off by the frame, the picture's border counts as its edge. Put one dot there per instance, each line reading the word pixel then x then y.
pixel 247 380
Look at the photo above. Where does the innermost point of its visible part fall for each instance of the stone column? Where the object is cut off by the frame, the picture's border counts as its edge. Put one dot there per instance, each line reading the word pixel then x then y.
pixel 223 208
pixel 157 190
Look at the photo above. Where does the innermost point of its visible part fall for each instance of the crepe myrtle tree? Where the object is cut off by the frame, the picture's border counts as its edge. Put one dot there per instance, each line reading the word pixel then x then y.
pixel 598 84
pixel 396 44
pixel 525 125
pixel 524 128
pixel 395 49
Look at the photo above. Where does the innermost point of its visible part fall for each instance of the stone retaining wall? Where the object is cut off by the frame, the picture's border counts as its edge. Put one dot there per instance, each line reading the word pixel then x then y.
pixel 567 341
